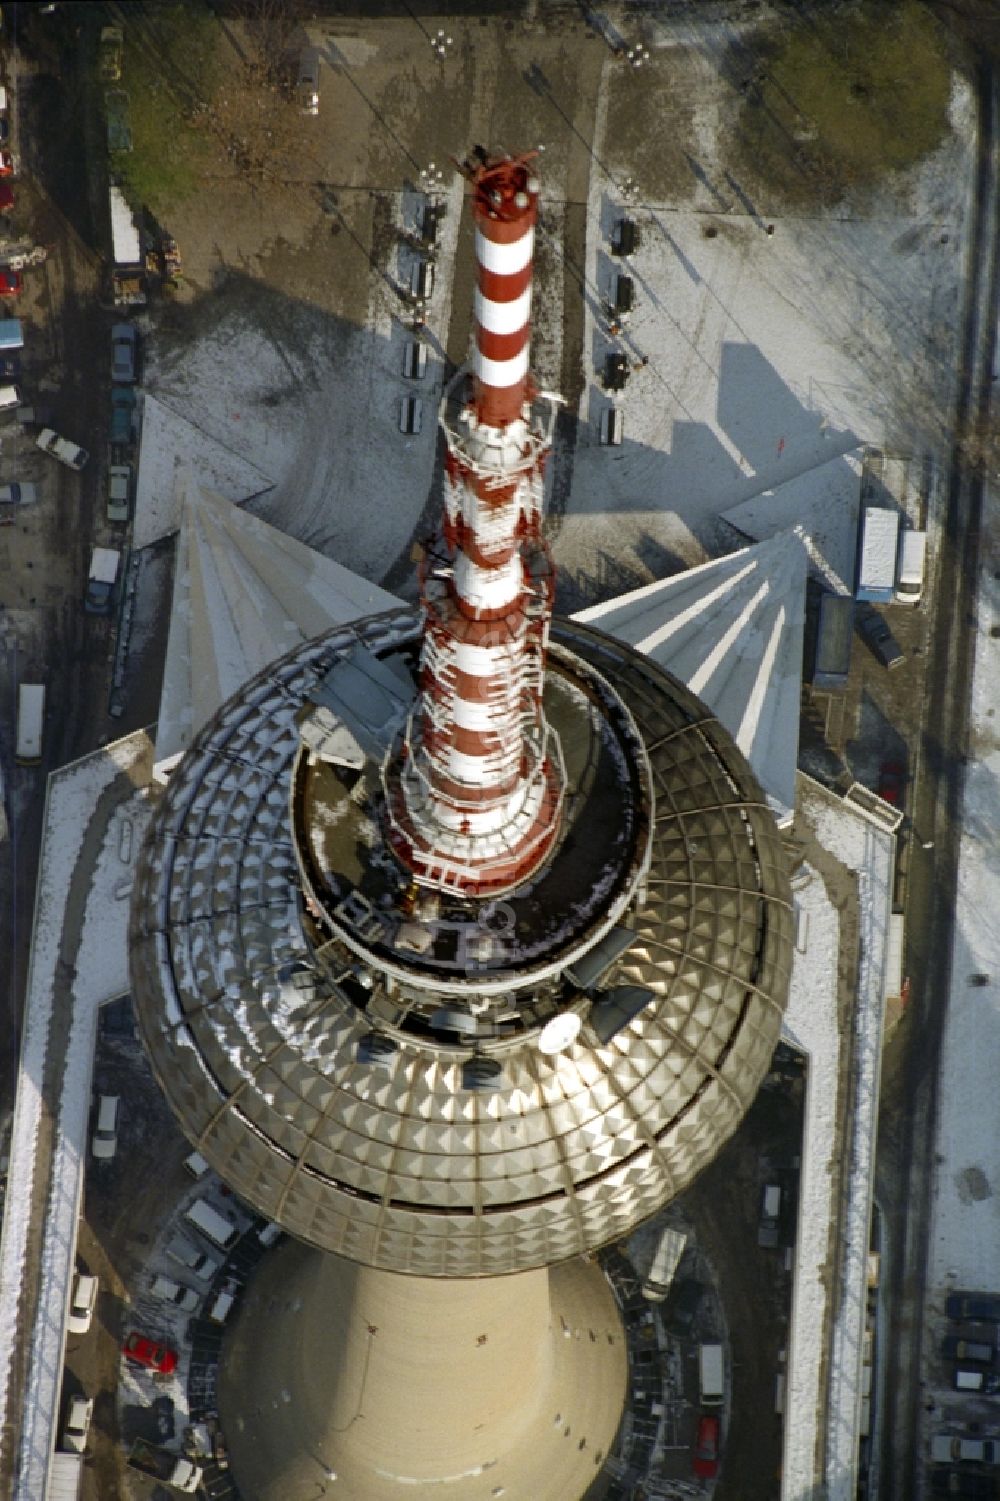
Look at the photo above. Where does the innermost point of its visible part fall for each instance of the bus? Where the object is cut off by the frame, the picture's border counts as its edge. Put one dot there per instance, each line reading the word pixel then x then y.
pixel 30 716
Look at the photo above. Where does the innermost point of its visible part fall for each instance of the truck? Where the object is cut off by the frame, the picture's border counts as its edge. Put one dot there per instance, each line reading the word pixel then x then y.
pixel 832 663
pixel 30 720
pixel 173 1469
pixel 910 573
pixel 70 454
pixel 65 1477
pixel 666 1260
pixel 101 580
pixel 220 1231
pixel 877 555
pixel 711 1375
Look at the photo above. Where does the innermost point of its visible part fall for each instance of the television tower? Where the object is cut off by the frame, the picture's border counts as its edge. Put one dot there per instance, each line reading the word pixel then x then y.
pixel 480 791
pixel 460 943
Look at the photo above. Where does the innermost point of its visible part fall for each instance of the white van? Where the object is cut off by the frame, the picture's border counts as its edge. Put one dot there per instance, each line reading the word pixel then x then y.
pixel 81 1304
pixel 307 86
pixel 30 723
pixel 221 1305
pixel 181 1250
pixel 105 1139
pixel 711 1375
pixel 910 569
pixel 220 1231
pixel 10 397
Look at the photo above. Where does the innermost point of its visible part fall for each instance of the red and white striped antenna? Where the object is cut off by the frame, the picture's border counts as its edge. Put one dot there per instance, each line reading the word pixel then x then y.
pixel 475 805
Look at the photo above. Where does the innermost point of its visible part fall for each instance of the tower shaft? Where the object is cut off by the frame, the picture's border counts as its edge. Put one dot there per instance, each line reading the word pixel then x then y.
pixel 481 793
pixel 403 1386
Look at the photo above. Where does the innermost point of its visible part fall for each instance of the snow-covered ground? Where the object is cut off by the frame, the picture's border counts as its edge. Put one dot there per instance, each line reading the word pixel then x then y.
pixel 313 404
pixel 97 915
pixel 769 356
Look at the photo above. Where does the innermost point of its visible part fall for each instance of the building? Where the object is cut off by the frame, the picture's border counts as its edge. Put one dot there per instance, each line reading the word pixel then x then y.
pixel 460 944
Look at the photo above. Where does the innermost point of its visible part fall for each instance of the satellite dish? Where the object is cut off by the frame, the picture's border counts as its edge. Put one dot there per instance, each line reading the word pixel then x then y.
pixel 482 1073
pixel 614 1009
pixel 559 1032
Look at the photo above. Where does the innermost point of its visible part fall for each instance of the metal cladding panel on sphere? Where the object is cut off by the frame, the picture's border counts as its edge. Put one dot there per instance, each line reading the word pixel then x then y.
pixel 393 1161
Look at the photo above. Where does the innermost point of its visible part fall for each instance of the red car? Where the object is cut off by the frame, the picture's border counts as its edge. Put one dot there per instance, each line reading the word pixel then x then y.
pixel 144 1351
pixel 10 283
pixel 891 782
pixel 706 1448
pixel 6 196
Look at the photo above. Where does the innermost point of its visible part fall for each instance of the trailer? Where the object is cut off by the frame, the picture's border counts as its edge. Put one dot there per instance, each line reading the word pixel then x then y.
pixel 834 638
pixel 894 956
pixel 65 1477
pixel 128 287
pixel 877 555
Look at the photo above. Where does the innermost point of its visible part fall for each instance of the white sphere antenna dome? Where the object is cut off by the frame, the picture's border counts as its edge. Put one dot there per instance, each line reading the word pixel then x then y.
pixel 559 1033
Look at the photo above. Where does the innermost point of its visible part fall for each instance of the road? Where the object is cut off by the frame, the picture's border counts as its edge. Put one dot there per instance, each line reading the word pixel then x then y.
pixel 907 1122
pixel 46 634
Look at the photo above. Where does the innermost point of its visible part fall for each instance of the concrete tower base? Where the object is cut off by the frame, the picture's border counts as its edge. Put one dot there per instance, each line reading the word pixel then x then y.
pixel 362 1385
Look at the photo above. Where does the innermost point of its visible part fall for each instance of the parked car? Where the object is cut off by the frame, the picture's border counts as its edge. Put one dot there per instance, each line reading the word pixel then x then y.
pixel 70 454
pixel 978 1351
pixel 122 410
pixel 10 366
pixel 18 494
pixel 141 1350
pixel 972 1306
pixel 119 491
pixel 879 637
pixel 81 1410
pixel 123 347
pixel 81 1307
pixel 986 1382
pixel 105 1139
pixel 946 1447
pixel 891 783
pixel 307 84
pixel 11 282
pixel 173 1292
pixel 36 415
pixel 6 164
pixel 6 197
pixel 187 1255
pixel 706 1448
pixel 683 1302
pixel 4 128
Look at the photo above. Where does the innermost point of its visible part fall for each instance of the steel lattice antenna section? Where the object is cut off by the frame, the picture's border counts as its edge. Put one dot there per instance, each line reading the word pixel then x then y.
pixel 476 805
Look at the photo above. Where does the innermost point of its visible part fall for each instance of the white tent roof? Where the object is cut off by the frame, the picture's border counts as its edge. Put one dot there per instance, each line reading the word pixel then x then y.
pixel 124 234
pixel 732 631
pixel 823 503
pixel 171 445
pixel 244 594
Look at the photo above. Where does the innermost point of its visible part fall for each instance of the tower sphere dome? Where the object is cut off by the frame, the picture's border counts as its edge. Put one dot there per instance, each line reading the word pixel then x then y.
pixel 371 1062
